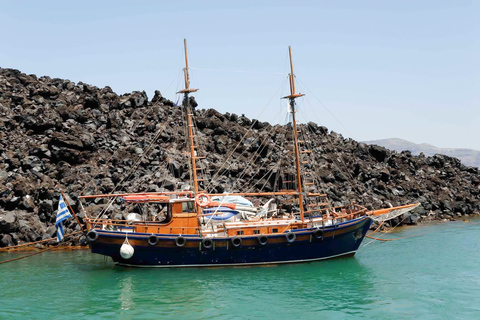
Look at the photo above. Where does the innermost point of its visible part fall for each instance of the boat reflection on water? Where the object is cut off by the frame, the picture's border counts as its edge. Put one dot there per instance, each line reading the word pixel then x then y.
pixel 208 291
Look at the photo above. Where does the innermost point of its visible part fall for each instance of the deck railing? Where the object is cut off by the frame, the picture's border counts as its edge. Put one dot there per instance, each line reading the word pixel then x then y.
pixel 334 216
pixel 152 226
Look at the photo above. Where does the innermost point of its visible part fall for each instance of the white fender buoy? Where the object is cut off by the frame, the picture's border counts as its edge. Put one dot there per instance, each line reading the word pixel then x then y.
pixel 126 250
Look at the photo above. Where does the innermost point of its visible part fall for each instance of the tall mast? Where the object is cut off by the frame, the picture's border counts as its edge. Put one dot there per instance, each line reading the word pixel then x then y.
pixel 292 98
pixel 189 121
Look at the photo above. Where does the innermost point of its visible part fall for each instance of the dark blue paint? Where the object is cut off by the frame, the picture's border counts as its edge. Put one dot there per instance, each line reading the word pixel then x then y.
pixel 314 249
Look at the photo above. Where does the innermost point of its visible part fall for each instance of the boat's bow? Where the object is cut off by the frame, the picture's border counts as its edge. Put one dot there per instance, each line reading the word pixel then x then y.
pixel 386 214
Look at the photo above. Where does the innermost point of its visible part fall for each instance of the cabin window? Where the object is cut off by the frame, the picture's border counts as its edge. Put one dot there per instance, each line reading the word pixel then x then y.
pixel 256 231
pixel 188 207
pixel 239 233
pixel 164 214
pixel 275 230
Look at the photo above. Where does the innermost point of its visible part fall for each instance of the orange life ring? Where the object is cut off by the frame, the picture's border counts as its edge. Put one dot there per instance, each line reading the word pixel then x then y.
pixel 202 203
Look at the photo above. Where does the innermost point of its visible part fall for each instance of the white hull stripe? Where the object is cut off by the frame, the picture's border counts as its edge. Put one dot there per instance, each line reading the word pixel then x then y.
pixel 232 264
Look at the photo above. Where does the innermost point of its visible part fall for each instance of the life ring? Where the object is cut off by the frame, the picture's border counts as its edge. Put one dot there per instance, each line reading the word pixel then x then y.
pixel 290 236
pixel 236 241
pixel 263 240
pixel 180 241
pixel 318 233
pixel 202 203
pixel 152 240
pixel 207 243
pixel 92 235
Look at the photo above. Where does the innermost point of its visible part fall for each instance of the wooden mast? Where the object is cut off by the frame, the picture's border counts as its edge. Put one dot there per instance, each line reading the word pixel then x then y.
pixel 189 114
pixel 292 98
pixel 190 125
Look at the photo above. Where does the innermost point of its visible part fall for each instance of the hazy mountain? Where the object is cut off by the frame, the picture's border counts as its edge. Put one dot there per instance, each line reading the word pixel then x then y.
pixel 468 157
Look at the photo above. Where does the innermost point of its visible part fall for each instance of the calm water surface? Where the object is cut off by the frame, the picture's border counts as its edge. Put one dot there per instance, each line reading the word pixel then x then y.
pixel 433 275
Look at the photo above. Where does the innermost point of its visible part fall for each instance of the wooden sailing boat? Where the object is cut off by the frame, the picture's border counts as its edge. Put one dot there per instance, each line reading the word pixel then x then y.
pixel 201 229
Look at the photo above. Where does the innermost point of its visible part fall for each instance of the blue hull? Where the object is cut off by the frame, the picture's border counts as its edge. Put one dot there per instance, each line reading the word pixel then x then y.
pixel 341 240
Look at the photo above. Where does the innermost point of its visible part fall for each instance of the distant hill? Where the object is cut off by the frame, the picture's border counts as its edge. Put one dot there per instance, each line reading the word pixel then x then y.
pixel 468 157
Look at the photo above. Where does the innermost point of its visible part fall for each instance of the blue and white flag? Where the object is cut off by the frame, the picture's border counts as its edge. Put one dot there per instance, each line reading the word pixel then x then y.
pixel 62 214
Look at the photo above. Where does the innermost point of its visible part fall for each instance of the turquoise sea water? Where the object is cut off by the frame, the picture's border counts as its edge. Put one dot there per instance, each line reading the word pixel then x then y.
pixel 433 275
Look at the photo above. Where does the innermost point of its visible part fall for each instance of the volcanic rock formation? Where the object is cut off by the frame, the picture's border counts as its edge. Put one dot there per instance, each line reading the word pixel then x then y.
pixel 59 135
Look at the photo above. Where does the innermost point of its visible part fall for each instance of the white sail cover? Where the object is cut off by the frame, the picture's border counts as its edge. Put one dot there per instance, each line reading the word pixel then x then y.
pixel 233 199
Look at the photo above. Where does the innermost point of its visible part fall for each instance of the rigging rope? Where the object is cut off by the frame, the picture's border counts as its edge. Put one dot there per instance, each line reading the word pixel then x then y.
pixel 253 159
pixel 325 107
pixel 132 170
pixel 268 172
pixel 219 171
pixel 345 170
pixel 378 239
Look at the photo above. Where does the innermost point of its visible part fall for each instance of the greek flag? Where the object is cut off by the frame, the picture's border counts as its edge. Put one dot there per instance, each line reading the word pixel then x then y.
pixel 62 214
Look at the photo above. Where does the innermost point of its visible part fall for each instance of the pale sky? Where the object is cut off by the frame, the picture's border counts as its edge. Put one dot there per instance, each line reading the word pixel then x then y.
pixel 370 69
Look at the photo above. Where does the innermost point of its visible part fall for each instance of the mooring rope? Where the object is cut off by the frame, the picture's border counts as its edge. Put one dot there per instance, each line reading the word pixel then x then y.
pixel 381 224
pixel 26 256
pixel 36 242
pixel 378 239
pixel 390 239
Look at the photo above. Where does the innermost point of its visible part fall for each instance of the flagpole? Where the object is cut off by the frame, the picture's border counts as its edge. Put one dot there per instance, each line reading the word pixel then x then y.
pixel 73 212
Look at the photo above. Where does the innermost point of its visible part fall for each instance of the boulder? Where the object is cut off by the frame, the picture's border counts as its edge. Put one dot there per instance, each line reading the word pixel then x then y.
pixel 6 240
pixel 379 153
pixel 8 222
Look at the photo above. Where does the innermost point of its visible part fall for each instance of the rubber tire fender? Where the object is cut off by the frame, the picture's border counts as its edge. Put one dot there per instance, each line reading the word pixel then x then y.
pixel 152 240
pixel 207 243
pixel 92 235
pixel 236 241
pixel 290 236
pixel 180 241
pixel 318 233
pixel 262 240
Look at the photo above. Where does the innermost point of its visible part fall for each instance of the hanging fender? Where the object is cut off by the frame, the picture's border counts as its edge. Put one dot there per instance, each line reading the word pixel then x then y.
pixel 126 251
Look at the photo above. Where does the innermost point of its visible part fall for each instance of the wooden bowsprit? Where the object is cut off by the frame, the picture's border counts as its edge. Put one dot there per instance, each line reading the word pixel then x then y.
pixel 383 215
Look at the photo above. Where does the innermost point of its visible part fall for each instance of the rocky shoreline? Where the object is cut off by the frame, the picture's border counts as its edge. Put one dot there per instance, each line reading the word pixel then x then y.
pixel 59 135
